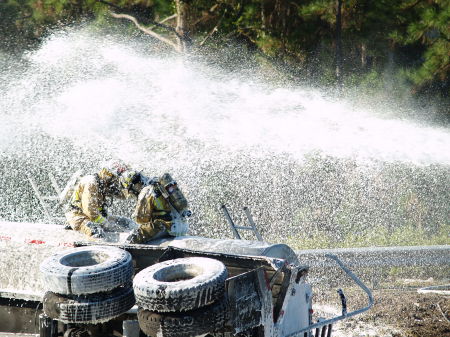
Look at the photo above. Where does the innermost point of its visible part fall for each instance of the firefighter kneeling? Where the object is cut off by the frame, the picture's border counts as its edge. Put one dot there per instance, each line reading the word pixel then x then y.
pixel 94 193
pixel 160 211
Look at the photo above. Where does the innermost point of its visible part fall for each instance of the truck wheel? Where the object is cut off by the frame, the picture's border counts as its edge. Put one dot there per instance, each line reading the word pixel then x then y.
pixel 87 270
pixel 183 324
pixel 93 308
pixel 180 285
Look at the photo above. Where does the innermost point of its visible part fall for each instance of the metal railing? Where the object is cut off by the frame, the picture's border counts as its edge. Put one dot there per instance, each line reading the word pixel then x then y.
pixel 401 256
pixel 234 228
pixel 344 314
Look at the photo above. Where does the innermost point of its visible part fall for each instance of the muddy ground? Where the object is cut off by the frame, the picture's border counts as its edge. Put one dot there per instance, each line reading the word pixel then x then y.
pixel 397 312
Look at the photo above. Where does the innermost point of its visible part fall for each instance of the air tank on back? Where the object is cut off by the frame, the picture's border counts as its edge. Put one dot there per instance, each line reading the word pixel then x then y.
pixel 173 193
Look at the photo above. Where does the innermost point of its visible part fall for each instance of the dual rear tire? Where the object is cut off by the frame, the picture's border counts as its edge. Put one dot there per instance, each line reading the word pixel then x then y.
pixel 88 284
pixel 197 322
pixel 176 298
pixel 88 309
pixel 181 297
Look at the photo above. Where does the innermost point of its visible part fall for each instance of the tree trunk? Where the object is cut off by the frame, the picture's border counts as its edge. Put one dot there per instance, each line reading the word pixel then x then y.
pixel 339 43
pixel 363 56
pixel 280 8
pixel 183 28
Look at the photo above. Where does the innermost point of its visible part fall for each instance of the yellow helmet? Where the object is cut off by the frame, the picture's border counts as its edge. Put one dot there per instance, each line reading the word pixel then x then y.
pixel 112 169
pixel 132 181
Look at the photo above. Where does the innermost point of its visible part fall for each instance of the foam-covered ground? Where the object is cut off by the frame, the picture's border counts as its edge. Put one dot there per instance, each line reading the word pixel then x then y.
pixel 23 246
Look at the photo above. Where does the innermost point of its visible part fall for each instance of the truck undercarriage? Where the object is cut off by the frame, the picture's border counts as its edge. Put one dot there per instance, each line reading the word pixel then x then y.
pixel 264 295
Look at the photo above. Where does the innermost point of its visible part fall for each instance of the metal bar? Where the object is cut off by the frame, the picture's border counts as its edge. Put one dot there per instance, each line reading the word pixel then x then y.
pixel 368 257
pixel 243 227
pixel 274 277
pixel 54 183
pixel 230 221
pixel 38 195
pixel 343 301
pixel 440 290
pixel 69 185
pixel 47 326
pixel 130 328
pixel 252 224
pixel 278 305
pixel 50 197
pixel 341 317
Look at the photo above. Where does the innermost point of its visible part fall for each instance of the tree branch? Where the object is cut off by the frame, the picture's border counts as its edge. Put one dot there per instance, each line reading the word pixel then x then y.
pixel 145 30
pixel 214 29
pixel 158 24
pixel 174 16
pixel 411 5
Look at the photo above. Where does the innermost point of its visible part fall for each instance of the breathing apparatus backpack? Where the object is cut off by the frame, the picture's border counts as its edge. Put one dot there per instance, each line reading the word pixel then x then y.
pixel 170 191
pixel 167 187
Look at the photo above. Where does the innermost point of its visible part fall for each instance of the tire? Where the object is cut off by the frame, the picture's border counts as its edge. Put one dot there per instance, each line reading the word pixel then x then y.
pixel 87 270
pixel 184 324
pixel 180 285
pixel 93 308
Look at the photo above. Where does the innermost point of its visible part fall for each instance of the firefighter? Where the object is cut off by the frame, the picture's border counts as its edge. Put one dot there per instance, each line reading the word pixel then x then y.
pixel 160 211
pixel 94 194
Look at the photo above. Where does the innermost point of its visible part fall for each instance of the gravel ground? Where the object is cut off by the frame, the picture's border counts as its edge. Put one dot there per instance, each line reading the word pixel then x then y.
pixel 396 313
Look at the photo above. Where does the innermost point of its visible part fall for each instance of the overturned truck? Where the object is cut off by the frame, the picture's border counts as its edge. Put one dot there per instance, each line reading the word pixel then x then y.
pixel 179 287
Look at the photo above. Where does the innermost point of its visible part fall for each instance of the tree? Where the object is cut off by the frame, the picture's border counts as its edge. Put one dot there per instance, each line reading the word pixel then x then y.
pixel 184 23
pixel 324 41
pixel 427 28
pixel 338 58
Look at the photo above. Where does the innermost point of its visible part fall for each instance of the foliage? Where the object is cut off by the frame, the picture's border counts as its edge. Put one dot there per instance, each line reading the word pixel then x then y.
pixel 428 29
pixel 379 236
pixel 28 20
pixel 407 38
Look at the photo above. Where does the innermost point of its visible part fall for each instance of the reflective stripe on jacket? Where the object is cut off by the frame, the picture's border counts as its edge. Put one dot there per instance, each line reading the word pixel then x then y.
pixel 150 207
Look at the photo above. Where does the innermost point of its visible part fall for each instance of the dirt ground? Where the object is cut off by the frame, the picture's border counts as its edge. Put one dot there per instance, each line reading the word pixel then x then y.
pixel 396 313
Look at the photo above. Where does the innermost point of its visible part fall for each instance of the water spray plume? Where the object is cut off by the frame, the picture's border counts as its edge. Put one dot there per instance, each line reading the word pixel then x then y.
pixel 303 161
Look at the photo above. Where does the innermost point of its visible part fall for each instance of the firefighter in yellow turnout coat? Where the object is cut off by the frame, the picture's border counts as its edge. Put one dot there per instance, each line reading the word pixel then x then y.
pixel 88 205
pixel 159 211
